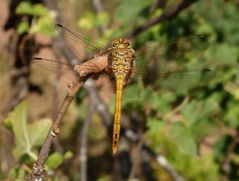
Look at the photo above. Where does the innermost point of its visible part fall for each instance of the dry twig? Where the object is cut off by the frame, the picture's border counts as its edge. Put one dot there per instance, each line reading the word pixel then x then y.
pixel 228 156
pixel 165 16
pixel 38 171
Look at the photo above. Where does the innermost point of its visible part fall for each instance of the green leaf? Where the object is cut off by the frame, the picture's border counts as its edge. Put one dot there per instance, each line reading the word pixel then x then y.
pixel 39 10
pixel 36 135
pixel 22 27
pixel 162 103
pixel 223 54
pixel 87 21
pixel 104 178
pixel 154 125
pixel 199 110
pixel 128 11
pixel 24 7
pixel 231 116
pixel 68 155
pixel 44 25
pixel 27 8
pixel 17 174
pixel 157 133
pixel 183 139
pixel 131 94
pixel 102 18
pixel 27 136
pixel 54 160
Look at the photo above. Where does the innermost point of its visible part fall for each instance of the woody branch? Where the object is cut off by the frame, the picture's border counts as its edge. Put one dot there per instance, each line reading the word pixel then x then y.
pixel 38 171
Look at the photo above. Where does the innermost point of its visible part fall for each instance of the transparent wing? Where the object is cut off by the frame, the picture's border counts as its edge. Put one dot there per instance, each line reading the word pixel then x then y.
pixel 77 41
pixel 183 79
pixel 179 81
pixel 155 66
pixel 65 71
pixel 68 72
pixel 154 49
pixel 53 65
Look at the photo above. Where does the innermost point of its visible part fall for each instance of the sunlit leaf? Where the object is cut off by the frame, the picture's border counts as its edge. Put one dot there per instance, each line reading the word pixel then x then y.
pixel 44 25
pixel 22 27
pixel 27 8
pixel 68 155
pixel 87 21
pixel 39 10
pixel 54 160
pixel 24 7
pixel 27 136
pixel 103 18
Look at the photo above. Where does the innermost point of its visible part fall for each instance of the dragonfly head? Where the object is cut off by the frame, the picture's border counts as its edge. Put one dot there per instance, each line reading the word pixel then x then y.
pixel 122 49
pixel 121 43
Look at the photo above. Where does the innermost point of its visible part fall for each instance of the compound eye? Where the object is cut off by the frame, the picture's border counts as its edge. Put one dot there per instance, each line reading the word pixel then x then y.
pixel 128 44
pixel 114 45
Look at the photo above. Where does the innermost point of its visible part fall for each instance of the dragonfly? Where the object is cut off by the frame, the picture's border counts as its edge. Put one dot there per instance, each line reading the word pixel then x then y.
pixel 121 68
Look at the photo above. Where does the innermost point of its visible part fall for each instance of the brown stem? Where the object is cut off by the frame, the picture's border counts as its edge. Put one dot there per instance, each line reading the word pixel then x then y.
pixel 137 157
pixel 228 156
pixel 38 171
pixel 97 64
pixel 58 46
pixel 165 16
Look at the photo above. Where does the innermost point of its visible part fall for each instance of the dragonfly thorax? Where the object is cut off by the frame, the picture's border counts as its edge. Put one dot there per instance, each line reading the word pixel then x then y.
pixel 121 59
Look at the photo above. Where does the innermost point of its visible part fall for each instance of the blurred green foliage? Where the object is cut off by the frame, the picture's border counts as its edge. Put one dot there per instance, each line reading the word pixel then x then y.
pixel 211 106
pixel 89 20
pixel 27 8
pixel 43 21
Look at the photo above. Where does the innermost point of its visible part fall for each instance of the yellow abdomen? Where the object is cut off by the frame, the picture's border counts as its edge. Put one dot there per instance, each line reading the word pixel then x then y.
pixel 117 115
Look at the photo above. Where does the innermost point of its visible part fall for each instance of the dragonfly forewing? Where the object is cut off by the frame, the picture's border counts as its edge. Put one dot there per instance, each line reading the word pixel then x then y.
pixel 78 42
pixel 53 66
pixel 152 49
